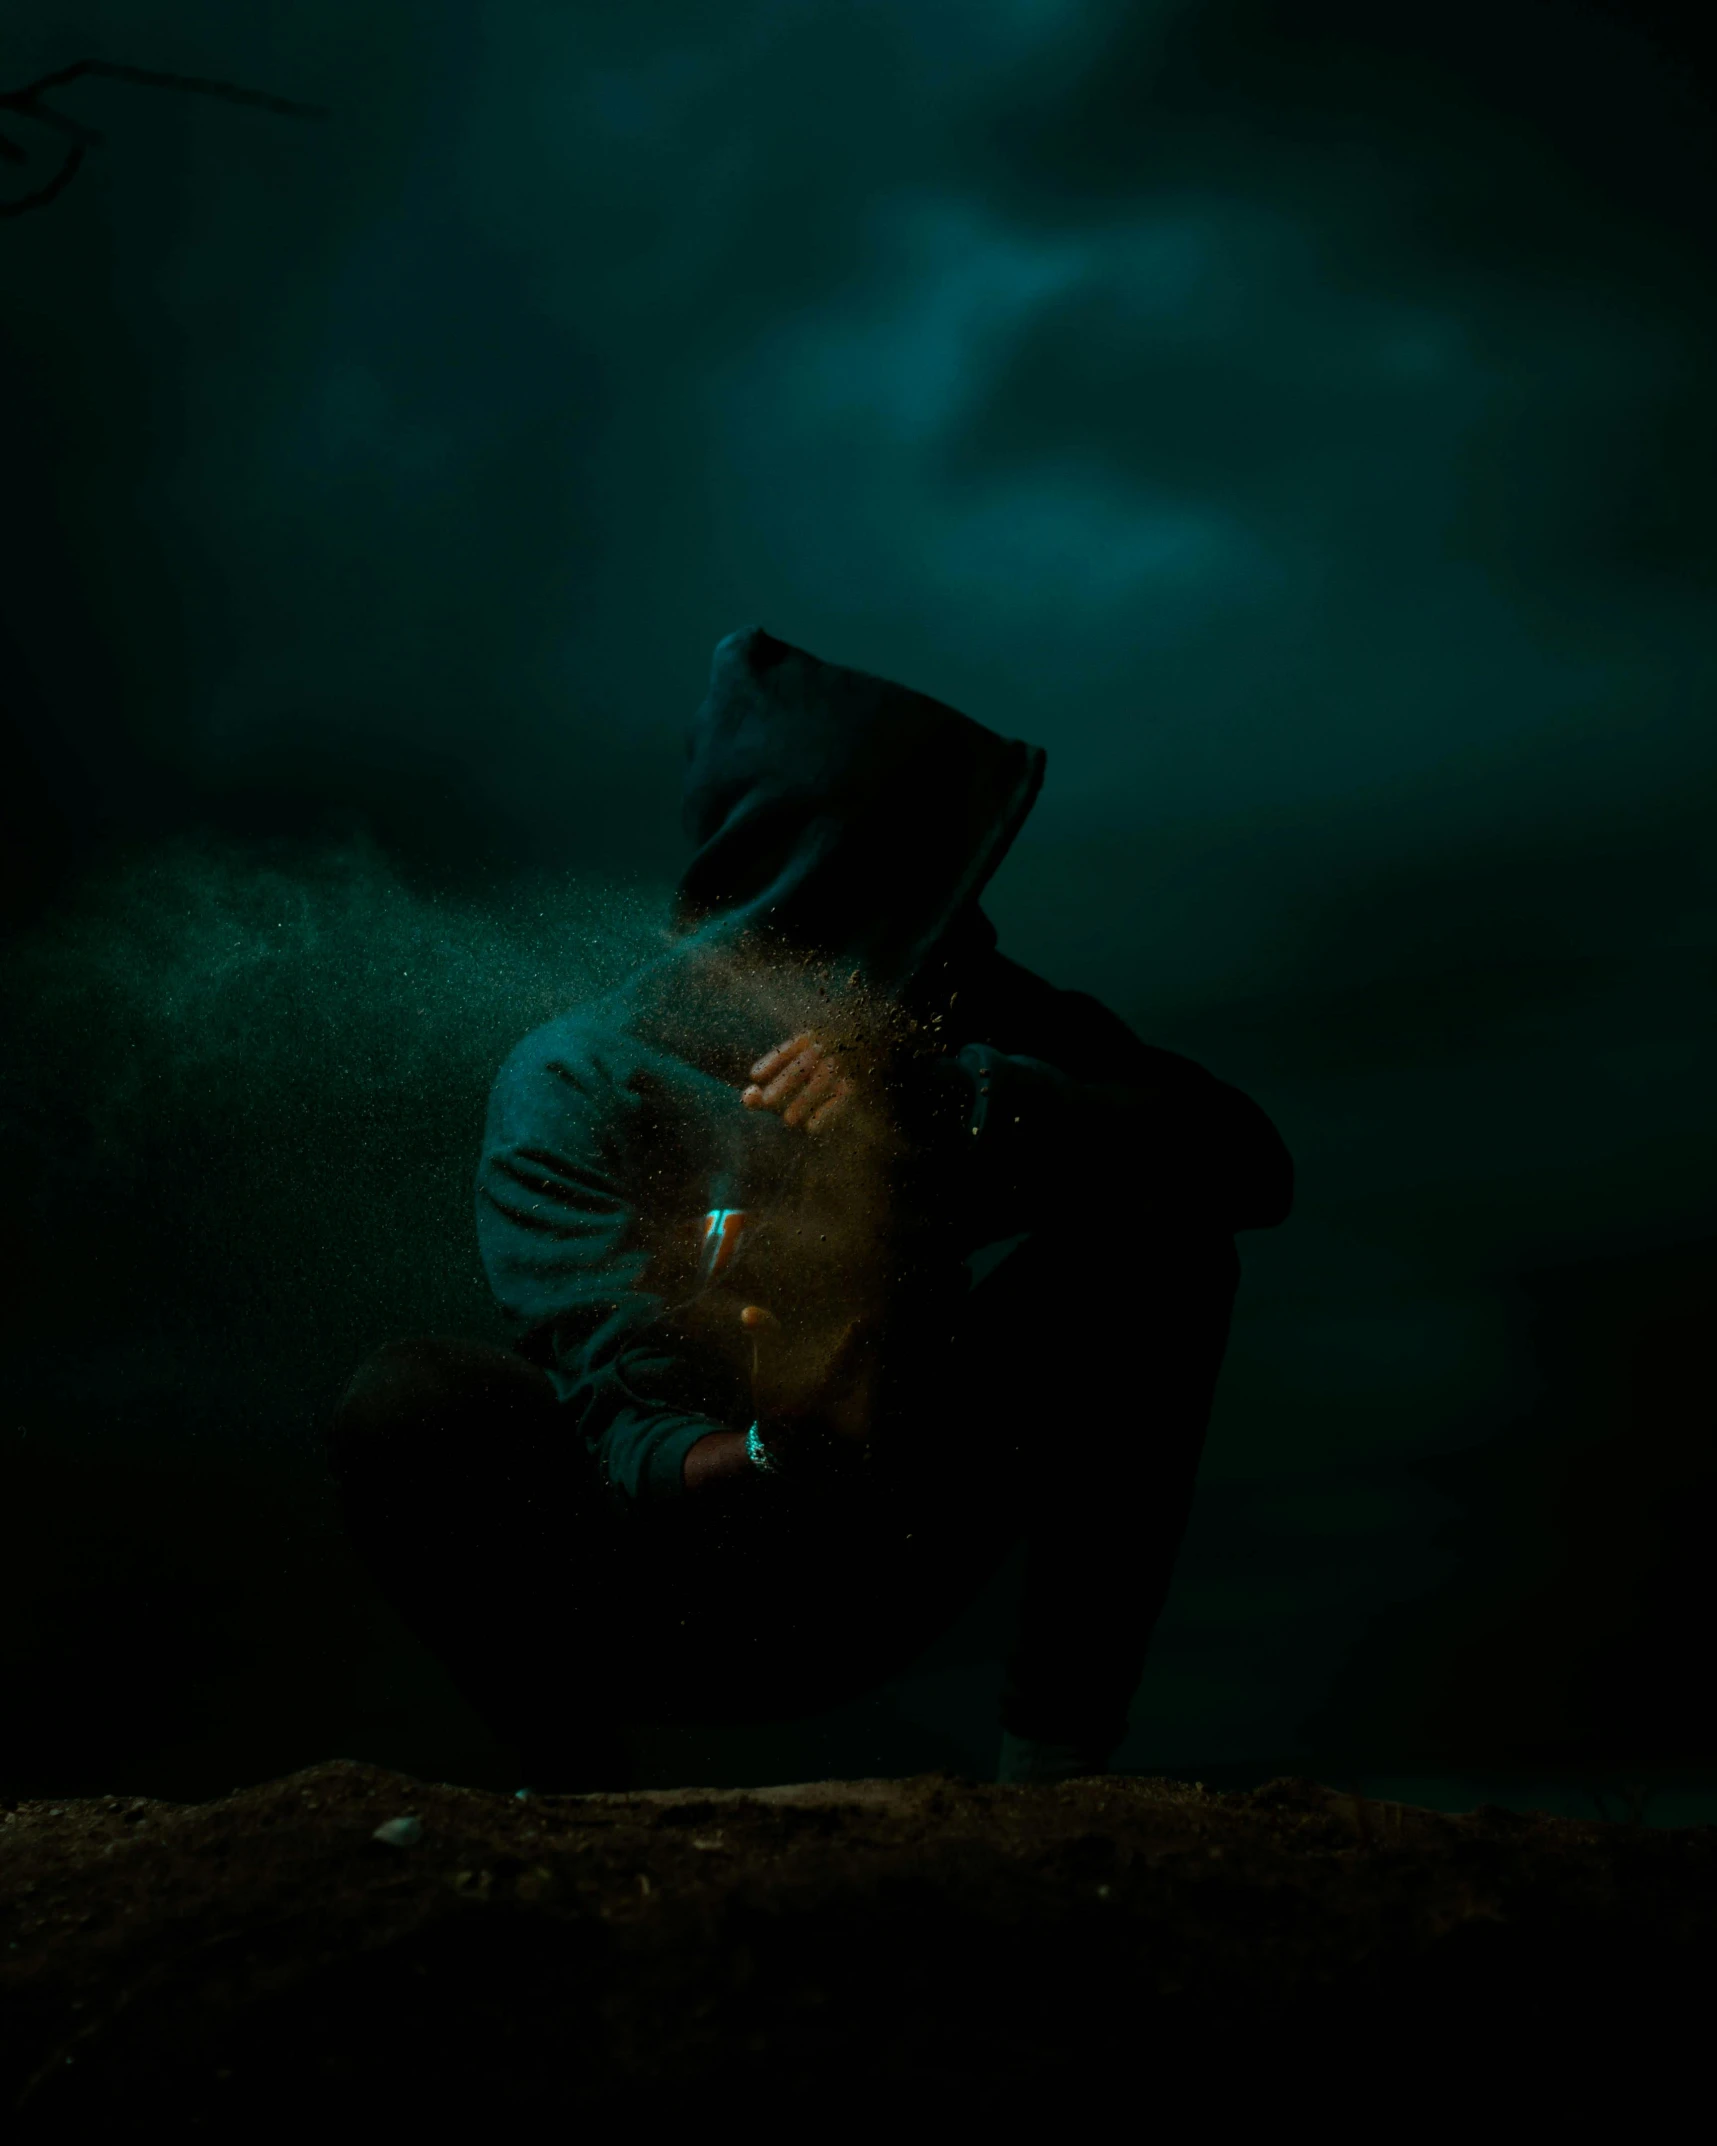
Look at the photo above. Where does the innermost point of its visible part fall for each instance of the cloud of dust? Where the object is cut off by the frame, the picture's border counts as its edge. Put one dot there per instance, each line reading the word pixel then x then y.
pixel 322 970
pixel 829 1246
pixel 244 1101
pixel 247 1084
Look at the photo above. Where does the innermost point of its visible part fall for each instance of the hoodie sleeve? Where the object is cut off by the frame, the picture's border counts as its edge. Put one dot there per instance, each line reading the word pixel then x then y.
pixel 562 1246
pixel 1160 1131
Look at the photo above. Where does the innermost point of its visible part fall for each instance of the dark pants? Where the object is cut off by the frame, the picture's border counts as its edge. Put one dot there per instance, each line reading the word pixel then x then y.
pixel 1062 1400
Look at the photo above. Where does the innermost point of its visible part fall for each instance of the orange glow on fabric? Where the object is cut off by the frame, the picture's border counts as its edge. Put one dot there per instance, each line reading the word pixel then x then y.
pixel 722 1228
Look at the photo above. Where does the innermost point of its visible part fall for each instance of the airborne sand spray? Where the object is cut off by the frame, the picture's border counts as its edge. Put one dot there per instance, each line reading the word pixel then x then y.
pixel 315 967
pixel 829 1245
pixel 243 1094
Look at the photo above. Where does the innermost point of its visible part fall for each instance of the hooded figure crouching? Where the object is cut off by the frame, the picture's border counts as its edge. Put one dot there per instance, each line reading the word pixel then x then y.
pixel 841 1254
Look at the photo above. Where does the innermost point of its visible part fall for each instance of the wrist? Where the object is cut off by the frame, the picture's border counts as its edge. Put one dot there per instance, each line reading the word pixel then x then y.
pixel 800 1450
pixel 758 1454
pixel 719 1456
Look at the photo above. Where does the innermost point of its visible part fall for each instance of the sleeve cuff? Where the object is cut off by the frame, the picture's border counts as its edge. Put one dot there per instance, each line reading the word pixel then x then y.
pixel 663 1474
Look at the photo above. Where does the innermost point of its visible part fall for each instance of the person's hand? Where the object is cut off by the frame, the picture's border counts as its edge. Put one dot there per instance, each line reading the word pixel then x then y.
pixel 803 1081
pixel 809 1390
pixel 811 1401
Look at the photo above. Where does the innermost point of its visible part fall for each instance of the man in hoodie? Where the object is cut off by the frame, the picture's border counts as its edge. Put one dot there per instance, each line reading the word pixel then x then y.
pixel 840 1254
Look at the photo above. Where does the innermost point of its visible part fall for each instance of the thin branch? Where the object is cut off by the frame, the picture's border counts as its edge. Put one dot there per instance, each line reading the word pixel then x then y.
pixel 28 100
pixel 154 78
pixel 58 122
pixel 44 194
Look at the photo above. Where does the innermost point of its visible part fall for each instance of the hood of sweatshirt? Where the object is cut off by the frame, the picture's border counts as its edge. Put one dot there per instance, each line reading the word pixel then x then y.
pixel 840 816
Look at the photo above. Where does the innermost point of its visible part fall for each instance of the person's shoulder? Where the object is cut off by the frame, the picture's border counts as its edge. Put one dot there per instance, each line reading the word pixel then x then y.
pixel 576 1048
pixel 1076 1027
pixel 1081 1017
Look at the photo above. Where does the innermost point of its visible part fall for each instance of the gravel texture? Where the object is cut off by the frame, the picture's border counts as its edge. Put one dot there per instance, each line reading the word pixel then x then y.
pixel 349 1942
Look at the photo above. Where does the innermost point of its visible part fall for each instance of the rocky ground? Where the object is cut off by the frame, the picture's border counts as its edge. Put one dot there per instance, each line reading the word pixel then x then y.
pixel 863 1950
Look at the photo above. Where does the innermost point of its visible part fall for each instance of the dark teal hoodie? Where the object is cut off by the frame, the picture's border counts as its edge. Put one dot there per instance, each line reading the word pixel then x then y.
pixel 844 829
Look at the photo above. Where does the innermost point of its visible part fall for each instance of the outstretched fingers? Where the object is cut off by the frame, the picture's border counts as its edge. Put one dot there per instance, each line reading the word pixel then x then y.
pixel 824 1085
pixel 801 1068
pixel 773 1061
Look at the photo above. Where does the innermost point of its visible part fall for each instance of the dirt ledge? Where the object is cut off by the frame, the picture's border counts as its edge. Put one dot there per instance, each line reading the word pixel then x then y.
pixel 930 1943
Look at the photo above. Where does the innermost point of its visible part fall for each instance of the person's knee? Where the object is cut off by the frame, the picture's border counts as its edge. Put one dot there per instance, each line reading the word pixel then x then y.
pixel 414 1394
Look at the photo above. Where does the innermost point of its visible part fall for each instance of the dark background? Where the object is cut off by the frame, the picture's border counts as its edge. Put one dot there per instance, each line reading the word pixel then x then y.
pixel 1296 417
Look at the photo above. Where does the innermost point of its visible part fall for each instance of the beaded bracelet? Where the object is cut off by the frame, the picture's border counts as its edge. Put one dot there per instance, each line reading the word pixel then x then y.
pixel 758 1453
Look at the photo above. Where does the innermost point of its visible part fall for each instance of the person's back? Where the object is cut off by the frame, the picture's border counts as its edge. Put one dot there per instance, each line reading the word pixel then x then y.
pixel 735 1212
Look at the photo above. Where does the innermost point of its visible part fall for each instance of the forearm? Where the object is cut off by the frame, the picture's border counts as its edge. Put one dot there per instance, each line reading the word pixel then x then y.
pixel 811 1456
pixel 719 1457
